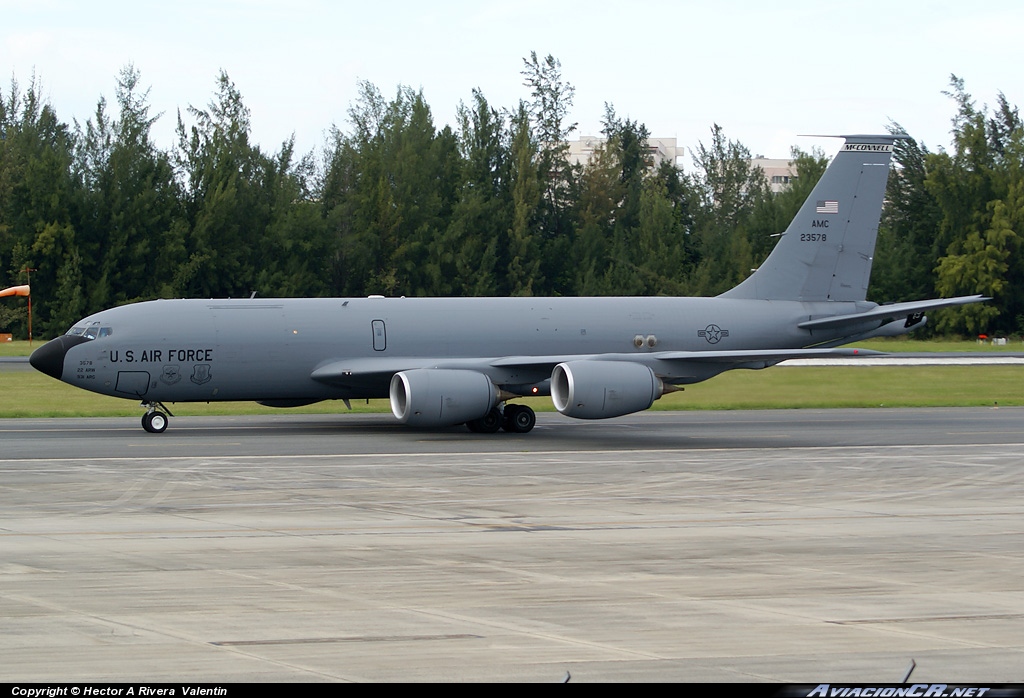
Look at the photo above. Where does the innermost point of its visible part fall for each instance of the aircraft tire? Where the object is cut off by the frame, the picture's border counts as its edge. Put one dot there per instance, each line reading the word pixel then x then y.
pixel 155 422
pixel 488 424
pixel 519 419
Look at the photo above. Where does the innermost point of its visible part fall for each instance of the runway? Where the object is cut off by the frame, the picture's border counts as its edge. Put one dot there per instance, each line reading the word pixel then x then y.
pixel 785 546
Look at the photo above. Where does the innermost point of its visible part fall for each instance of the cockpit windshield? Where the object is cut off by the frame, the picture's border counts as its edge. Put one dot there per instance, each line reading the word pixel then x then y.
pixel 93 330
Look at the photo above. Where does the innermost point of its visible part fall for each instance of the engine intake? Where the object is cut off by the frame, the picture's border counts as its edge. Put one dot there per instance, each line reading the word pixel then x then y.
pixel 603 389
pixel 434 397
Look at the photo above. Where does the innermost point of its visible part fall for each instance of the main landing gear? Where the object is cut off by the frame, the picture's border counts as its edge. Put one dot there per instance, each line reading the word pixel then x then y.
pixel 157 417
pixel 518 419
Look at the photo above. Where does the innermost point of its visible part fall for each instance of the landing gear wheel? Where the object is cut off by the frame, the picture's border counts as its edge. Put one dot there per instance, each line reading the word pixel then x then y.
pixel 519 419
pixel 488 424
pixel 155 422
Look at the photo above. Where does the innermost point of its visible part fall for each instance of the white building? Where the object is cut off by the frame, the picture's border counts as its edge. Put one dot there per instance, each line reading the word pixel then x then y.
pixel 581 151
pixel 779 173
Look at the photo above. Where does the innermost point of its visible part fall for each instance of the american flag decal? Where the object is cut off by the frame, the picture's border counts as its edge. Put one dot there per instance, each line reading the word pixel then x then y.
pixel 827 207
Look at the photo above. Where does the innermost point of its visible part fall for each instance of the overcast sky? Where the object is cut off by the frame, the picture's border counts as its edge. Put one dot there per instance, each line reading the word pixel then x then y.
pixel 764 71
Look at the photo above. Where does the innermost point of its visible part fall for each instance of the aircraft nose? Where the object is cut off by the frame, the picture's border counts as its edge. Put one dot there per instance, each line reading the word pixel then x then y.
pixel 49 358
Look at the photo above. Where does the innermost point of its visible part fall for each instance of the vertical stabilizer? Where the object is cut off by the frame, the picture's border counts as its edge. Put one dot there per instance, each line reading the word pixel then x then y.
pixel 826 252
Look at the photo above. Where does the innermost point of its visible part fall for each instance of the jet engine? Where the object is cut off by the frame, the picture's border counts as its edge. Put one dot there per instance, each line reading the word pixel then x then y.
pixel 433 397
pixel 603 389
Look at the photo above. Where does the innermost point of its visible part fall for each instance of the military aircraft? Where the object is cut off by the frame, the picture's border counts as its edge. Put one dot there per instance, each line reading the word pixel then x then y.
pixel 448 361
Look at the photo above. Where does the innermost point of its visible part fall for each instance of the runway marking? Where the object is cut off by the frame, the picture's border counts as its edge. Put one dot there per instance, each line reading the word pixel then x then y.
pixel 468 525
pixel 354 638
pixel 877 452
pixel 928 619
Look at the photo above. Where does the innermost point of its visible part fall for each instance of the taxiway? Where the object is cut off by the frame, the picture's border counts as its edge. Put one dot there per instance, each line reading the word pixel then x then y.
pixel 785 546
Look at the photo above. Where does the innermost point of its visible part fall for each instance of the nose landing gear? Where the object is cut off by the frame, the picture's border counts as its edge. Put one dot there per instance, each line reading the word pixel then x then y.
pixel 156 419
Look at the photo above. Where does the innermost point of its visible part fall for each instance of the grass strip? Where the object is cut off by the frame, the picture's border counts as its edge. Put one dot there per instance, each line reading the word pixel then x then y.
pixel 31 394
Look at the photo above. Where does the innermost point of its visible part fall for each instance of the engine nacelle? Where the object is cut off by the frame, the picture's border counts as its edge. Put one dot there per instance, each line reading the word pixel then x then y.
pixel 603 389
pixel 436 397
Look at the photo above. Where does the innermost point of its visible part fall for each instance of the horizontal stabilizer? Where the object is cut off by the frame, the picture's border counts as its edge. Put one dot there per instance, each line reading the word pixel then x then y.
pixel 888 313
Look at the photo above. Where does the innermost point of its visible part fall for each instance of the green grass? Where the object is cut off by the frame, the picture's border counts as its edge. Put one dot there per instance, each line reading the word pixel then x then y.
pixel 854 386
pixel 19 348
pixel 903 344
pixel 30 394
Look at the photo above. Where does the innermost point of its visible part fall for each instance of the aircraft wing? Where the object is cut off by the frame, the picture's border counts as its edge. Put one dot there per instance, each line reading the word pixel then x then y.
pixel 733 356
pixel 369 370
pixel 888 313
pixel 378 370
pixel 773 355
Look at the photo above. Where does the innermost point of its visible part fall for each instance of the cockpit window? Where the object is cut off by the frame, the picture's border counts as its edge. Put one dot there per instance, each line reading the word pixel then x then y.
pixel 91 331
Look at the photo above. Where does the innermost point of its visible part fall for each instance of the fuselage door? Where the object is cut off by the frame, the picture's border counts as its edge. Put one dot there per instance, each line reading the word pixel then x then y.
pixel 132 383
pixel 380 336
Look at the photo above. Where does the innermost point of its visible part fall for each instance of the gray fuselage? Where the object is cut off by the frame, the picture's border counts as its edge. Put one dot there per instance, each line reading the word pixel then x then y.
pixel 270 349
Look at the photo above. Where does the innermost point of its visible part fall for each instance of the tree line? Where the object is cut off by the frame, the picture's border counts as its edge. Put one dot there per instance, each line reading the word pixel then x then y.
pixel 395 205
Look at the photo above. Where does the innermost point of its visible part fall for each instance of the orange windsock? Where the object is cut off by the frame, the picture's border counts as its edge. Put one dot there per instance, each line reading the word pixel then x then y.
pixel 15 291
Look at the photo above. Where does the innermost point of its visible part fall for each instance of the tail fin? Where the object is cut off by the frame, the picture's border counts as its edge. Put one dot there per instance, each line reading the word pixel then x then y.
pixel 826 252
